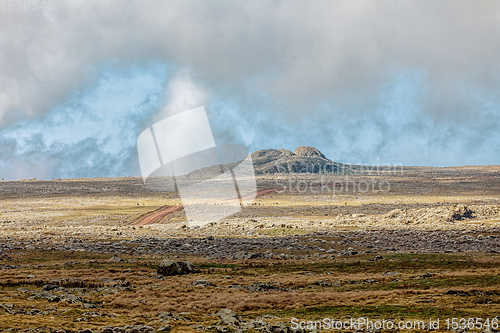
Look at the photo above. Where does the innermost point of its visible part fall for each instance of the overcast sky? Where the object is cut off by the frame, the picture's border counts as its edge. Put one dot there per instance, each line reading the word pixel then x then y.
pixel 412 82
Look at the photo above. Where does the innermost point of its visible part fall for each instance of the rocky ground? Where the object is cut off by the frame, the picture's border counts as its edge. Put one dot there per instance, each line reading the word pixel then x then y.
pixel 395 244
pixel 339 243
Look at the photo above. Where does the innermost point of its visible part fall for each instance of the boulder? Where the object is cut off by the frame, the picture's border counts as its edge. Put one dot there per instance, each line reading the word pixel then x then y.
pixel 462 212
pixel 169 268
pixel 229 317
pixel 48 296
pixel 50 287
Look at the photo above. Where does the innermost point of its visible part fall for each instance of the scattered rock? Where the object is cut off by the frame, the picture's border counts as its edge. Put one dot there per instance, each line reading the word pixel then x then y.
pixel 167 316
pixel 327 283
pixel 246 255
pixel 169 268
pixel 140 329
pixel 86 330
pixel 228 317
pixel 202 283
pixel 112 329
pixel 265 286
pixel 378 257
pixel 349 252
pixel 279 328
pixel 116 259
pixel 50 287
pixel 9 267
pixel 468 293
pixel 165 328
pixel 70 298
pixel 46 295
pixel 457 293
pixel 129 329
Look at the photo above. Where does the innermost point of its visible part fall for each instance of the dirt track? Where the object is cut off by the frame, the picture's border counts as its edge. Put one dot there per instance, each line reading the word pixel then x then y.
pixel 158 214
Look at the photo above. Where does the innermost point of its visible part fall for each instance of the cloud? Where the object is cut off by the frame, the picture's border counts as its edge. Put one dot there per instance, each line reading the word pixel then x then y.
pixel 182 93
pixel 278 65
pixel 92 134
pixel 295 50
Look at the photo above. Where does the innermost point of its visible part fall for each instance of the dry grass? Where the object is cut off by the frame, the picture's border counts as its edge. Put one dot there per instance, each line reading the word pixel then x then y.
pixel 301 295
pixel 302 291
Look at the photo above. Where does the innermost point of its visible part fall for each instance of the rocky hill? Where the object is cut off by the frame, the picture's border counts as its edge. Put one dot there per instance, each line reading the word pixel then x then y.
pixel 270 161
pixel 303 160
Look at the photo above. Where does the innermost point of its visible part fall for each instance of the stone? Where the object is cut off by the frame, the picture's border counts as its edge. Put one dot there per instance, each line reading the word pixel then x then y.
pixel 169 268
pixel 167 316
pixel 70 298
pixel 140 329
pixel 50 287
pixel 112 329
pixel 48 296
pixel 228 317
pixel 202 283
pixel 279 328
pixel 164 328
pixel 378 257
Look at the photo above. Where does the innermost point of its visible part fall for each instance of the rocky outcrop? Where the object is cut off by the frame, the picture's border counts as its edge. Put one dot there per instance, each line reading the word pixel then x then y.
pixel 441 214
pixel 302 160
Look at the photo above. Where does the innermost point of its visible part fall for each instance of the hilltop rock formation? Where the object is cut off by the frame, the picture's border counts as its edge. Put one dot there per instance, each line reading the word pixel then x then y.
pixel 303 160
pixel 306 151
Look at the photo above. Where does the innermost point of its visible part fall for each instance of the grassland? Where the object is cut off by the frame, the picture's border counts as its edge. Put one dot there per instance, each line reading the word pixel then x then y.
pixel 64 233
pixel 400 286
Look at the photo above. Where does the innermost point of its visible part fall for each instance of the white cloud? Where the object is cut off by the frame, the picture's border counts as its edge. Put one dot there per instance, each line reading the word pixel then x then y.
pixel 182 93
pixel 285 57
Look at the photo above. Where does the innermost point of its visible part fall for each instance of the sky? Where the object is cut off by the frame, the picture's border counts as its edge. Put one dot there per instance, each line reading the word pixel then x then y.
pixel 371 82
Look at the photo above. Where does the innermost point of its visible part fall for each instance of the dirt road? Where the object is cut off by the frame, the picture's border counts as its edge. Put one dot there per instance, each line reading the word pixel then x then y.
pixel 160 213
pixel 157 214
